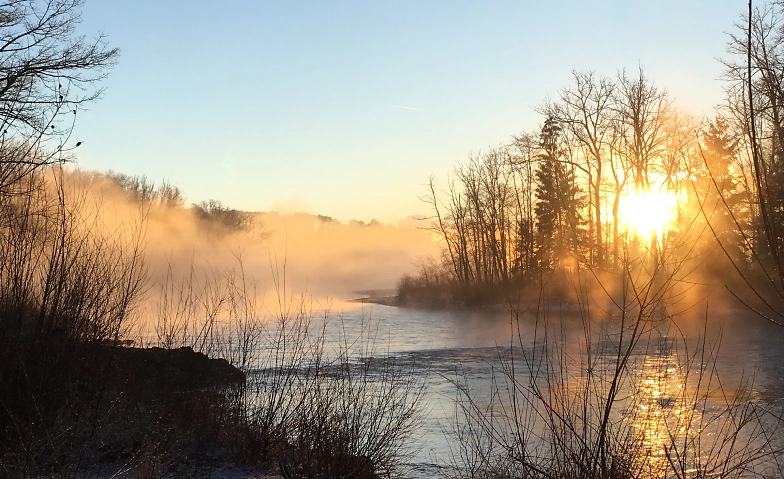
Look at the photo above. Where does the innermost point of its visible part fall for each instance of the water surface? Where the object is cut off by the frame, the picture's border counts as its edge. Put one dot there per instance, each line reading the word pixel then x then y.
pixel 448 347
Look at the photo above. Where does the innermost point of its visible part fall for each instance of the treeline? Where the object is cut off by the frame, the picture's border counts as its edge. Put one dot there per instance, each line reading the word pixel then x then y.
pixel 616 173
pixel 212 214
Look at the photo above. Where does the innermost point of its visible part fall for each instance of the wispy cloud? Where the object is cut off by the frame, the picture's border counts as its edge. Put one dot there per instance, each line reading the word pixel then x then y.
pixel 406 107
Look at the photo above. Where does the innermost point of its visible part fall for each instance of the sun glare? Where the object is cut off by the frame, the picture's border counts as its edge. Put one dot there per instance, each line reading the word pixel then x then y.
pixel 648 212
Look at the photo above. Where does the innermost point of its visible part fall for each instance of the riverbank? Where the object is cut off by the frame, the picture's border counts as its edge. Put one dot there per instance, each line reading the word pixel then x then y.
pixel 115 410
pixel 505 305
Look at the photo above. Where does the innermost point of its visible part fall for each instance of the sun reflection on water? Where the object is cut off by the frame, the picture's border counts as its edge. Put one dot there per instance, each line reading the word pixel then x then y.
pixel 662 408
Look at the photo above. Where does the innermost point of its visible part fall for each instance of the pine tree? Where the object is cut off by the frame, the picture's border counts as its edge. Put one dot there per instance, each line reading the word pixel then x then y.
pixel 559 200
pixel 720 150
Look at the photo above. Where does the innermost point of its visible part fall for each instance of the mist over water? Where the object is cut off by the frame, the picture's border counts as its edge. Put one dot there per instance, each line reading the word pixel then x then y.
pixel 282 255
pixel 298 258
pixel 284 262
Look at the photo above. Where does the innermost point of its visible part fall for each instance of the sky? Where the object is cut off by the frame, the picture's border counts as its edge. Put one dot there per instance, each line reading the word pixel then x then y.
pixel 346 108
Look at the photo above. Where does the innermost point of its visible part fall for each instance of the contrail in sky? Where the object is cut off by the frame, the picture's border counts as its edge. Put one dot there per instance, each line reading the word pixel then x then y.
pixel 406 107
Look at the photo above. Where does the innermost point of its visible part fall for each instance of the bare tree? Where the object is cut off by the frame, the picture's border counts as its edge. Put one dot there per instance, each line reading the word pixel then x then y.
pixel 585 109
pixel 485 218
pixel 47 72
pixel 642 112
pixel 526 149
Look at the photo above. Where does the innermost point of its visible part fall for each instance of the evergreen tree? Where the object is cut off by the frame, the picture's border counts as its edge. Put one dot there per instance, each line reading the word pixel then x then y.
pixel 773 186
pixel 559 200
pixel 720 150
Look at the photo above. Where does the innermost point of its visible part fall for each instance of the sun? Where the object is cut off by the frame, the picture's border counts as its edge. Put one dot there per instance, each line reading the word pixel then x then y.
pixel 648 212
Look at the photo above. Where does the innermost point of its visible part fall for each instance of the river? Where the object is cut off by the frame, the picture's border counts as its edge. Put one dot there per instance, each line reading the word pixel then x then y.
pixel 444 348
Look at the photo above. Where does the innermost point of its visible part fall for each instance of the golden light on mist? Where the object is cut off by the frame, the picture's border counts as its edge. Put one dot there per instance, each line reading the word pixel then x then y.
pixel 648 212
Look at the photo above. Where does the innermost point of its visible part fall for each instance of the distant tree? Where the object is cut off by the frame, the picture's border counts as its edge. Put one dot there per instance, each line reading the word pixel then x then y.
pixel 169 196
pixel 525 149
pixel 214 213
pixel 642 114
pixel 485 217
pixel 642 111
pixel 585 110
pixel 47 72
pixel 720 148
pixel 142 190
pixel 139 188
pixel 488 221
pixel 732 217
pixel 559 200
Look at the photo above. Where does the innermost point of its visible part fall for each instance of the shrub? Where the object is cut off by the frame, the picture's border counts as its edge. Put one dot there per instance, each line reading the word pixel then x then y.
pixel 65 283
pixel 317 402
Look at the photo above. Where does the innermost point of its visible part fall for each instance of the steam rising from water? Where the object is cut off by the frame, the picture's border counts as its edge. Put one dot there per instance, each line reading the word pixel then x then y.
pixel 304 253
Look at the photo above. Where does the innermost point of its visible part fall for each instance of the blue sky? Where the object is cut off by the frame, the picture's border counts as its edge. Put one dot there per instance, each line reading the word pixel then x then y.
pixel 295 105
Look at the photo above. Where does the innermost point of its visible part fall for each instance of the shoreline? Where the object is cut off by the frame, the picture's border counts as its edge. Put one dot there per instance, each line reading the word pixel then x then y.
pixel 382 300
pixel 568 307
